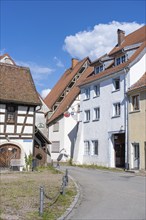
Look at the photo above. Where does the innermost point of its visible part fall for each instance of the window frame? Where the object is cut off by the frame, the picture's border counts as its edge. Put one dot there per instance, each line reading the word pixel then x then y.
pixel 96 114
pixel 93 148
pixel 87 148
pixel 115 105
pixel 137 102
pixel 87 115
pixel 11 114
pixel 56 151
pixel 96 89
pixel 114 84
pixel 87 93
pixel 99 69
pixel 120 60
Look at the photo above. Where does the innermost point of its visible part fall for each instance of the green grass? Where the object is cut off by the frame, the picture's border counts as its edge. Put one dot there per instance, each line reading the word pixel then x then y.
pixel 19 194
pixel 93 166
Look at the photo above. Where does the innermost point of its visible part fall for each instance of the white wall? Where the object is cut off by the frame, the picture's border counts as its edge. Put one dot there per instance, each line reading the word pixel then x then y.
pixel 137 70
pixel 67 131
pixel 101 130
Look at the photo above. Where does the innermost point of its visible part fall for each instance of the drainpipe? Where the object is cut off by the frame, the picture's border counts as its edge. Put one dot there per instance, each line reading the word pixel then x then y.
pixel 126 121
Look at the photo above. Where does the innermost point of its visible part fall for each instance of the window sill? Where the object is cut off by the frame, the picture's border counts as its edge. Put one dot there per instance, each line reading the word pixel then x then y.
pixel 95 120
pixel 96 96
pixel 86 99
pixel 10 122
pixel 117 90
pixel 86 121
pixel 116 116
pixel 135 111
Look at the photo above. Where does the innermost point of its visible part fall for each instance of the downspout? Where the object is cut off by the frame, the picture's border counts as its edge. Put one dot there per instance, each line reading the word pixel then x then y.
pixel 126 121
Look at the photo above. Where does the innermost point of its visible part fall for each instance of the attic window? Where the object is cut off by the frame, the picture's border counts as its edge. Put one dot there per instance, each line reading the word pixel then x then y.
pixel 98 69
pixel 82 69
pixel 120 60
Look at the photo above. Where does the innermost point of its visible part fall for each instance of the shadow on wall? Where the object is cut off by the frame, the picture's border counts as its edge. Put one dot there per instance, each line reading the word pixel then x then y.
pixel 72 136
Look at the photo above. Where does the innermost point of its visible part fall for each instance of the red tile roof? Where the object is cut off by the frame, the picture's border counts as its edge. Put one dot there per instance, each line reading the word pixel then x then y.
pixel 63 83
pixel 68 100
pixel 17 86
pixel 141 83
pixel 135 37
pixel 114 69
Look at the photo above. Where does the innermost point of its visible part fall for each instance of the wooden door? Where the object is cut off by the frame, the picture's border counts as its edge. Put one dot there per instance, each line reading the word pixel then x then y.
pixel 8 152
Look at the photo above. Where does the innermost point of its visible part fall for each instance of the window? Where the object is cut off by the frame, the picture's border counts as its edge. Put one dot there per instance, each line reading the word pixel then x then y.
pixel 116 84
pixel 96 90
pixel 11 113
pixel 117 109
pixel 135 102
pixel 56 126
pixel 96 113
pixel 55 146
pixel 95 147
pixel 87 115
pixel 98 69
pixel 120 60
pixel 86 148
pixel 87 93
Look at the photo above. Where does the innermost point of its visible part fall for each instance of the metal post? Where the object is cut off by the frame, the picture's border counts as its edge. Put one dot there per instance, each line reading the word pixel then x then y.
pixel 66 177
pixel 41 200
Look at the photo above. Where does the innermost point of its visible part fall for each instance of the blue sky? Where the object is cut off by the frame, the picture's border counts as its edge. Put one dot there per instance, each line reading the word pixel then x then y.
pixel 45 35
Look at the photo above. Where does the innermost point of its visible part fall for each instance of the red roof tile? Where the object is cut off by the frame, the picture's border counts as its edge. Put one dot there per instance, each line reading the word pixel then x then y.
pixel 135 37
pixel 62 84
pixel 68 100
pixel 139 84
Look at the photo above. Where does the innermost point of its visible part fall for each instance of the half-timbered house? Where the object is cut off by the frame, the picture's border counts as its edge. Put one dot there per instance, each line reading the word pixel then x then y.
pixel 18 102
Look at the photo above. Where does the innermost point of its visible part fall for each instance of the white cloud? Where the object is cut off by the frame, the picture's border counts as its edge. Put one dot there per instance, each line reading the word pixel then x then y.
pixel 45 92
pixel 58 62
pixel 38 72
pixel 95 43
pixel 2 51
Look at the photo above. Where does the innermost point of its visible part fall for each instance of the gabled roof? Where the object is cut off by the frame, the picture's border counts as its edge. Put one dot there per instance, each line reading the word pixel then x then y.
pixel 17 86
pixel 70 97
pixel 135 37
pixel 5 57
pixel 114 69
pixel 63 83
pixel 141 83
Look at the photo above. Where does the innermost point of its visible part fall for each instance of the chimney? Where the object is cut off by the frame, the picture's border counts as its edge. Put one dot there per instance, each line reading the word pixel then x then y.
pixel 121 36
pixel 74 62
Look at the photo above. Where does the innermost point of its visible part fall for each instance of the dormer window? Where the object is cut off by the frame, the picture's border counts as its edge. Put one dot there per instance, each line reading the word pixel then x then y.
pixel 120 60
pixel 98 69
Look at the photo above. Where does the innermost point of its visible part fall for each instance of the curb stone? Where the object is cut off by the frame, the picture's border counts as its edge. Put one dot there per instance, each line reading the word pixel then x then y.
pixel 73 204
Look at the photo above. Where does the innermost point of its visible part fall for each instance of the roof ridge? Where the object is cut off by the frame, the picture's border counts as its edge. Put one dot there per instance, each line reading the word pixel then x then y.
pixel 14 66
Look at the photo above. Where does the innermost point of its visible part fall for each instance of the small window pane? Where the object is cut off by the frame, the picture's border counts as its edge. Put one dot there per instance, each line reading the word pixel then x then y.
pixel 86 148
pixel 135 102
pixel 95 147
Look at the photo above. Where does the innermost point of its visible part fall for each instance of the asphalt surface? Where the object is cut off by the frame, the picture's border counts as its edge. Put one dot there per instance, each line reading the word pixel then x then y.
pixel 106 195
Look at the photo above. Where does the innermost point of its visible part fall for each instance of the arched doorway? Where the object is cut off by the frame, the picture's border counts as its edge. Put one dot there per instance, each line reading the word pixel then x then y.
pixel 7 153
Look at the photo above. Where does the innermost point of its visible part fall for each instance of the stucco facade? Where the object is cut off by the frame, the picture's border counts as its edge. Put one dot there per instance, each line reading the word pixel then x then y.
pixel 137 130
pixel 104 140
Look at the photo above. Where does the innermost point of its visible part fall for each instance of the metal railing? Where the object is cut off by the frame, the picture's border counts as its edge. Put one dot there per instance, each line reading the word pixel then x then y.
pixel 53 199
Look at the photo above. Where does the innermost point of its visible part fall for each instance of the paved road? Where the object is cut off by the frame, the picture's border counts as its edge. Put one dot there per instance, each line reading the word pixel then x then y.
pixel 109 195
